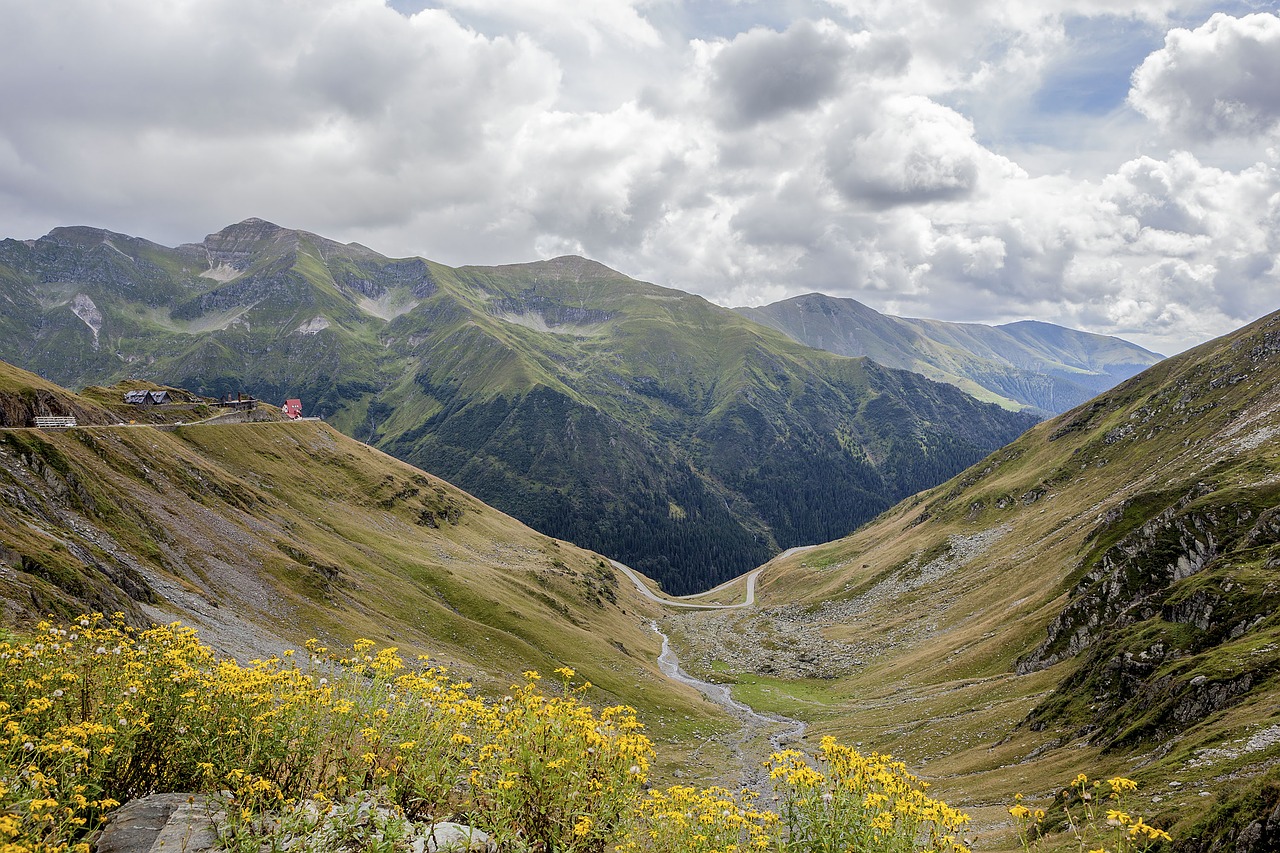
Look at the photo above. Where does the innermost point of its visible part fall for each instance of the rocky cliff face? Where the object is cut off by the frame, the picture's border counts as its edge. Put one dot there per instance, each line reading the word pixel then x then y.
pixel 1131 580
pixel 237 246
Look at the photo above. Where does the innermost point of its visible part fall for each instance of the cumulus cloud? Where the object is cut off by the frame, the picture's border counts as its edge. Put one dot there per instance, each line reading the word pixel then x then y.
pixel 904 152
pixel 763 74
pixel 907 150
pixel 1183 215
pixel 1216 80
pixel 597 23
pixel 321 111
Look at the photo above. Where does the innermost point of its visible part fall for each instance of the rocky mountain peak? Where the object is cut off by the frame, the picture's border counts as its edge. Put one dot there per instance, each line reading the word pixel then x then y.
pixel 253 227
pixel 578 267
pixel 81 235
pixel 235 245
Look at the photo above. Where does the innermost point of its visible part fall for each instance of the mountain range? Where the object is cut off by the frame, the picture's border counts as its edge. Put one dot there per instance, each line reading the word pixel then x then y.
pixel 639 421
pixel 1028 365
pixel 1097 596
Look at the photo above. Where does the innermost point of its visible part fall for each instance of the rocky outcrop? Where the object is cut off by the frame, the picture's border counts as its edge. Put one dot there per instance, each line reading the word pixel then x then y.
pixel 1126 582
pixel 21 408
pixel 374 279
pixel 1149 615
pixel 164 823
pixel 1251 824
pixel 236 245
pixel 552 313
pixel 188 823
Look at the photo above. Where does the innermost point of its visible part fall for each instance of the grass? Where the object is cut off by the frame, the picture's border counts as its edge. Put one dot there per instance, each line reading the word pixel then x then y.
pixel 940 682
pixel 216 511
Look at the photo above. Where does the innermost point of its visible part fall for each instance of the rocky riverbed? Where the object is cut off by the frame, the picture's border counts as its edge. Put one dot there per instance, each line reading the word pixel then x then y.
pixel 791 641
pixel 760 734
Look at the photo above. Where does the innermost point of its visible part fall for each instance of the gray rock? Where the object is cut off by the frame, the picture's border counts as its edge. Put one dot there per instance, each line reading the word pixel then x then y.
pixel 450 837
pixel 161 823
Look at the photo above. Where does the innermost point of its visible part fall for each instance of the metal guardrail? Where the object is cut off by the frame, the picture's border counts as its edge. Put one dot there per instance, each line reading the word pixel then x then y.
pixel 54 422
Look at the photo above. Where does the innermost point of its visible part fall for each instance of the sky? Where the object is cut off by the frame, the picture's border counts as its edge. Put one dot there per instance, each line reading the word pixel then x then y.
pixel 966 160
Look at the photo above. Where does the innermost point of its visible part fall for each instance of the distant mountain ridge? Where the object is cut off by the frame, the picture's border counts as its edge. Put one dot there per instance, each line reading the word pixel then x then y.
pixel 1028 364
pixel 639 421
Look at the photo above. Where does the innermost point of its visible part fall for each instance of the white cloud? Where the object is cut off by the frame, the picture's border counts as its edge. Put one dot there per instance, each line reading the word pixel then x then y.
pixel 276 110
pixel 894 152
pixel 1216 80
pixel 907 150
pixel 763 74
pixel 596 23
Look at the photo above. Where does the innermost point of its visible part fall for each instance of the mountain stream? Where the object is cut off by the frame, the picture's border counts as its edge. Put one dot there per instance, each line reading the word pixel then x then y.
pixel 745 745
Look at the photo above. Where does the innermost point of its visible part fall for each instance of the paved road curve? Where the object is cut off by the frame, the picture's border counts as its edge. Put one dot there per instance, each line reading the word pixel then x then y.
pixel 676 602
pixel 681 601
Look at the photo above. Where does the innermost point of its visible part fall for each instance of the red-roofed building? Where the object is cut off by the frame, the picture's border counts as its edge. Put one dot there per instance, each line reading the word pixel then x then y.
pixel 293 408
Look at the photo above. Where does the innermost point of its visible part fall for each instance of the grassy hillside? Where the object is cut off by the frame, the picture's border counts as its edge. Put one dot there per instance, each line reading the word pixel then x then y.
pixel 639 421
pixel 263 535
pixel 1100 596
pixel 25 397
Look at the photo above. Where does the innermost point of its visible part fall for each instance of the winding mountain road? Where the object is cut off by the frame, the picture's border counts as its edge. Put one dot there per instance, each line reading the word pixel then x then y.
pixel 674 602
pixel 680 601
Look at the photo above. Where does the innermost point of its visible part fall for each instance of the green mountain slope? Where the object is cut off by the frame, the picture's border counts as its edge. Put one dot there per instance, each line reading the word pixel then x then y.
pixel 1024 365
pixel 25 397
pixel 639 421
pixel 265 534
pixel 1100 596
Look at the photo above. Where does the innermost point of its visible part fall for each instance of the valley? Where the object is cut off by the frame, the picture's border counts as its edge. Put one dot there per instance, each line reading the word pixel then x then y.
pixel 679 437
pixel 1096 594
pixel 817 426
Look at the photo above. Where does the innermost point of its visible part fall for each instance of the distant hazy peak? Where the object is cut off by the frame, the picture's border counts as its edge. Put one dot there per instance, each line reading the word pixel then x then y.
pixel 1032 364
pixel 821 299
pixel 1040 330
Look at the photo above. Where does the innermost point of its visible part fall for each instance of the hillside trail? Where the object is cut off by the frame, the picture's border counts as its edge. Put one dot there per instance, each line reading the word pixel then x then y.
pixel 759 733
